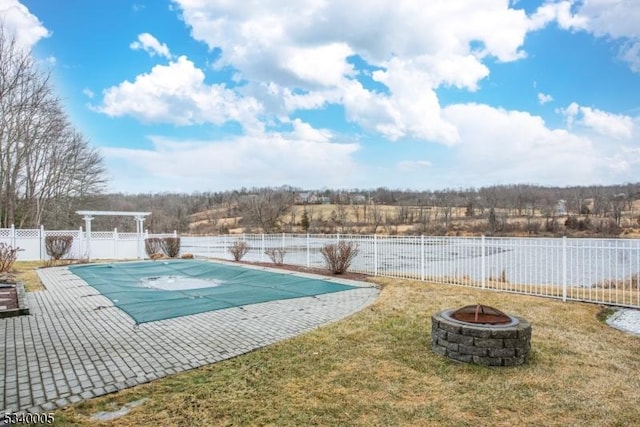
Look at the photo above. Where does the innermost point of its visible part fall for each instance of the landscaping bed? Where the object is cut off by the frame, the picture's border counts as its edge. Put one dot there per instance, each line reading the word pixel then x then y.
pixel 311 270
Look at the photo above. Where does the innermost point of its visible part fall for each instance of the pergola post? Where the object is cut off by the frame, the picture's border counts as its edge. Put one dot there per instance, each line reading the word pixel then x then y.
pixel 140 232
pixel 138 216
pixel 87 229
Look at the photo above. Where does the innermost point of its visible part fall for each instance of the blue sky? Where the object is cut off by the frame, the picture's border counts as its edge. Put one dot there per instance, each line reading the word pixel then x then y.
pixel 194 95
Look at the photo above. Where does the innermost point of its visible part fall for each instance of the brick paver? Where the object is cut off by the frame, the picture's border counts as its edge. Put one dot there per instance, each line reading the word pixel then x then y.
pixel 76 345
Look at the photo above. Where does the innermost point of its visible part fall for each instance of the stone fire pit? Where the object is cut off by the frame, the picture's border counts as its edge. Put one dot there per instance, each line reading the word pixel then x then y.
pixel 481 335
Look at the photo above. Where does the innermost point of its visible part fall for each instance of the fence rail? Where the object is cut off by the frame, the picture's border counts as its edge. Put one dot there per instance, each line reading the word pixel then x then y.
pixel 605 271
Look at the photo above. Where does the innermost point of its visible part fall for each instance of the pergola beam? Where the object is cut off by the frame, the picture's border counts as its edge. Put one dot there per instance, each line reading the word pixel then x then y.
pixel 139 217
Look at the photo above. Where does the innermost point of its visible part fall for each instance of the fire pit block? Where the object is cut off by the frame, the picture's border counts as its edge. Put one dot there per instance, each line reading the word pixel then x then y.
pixel 481 344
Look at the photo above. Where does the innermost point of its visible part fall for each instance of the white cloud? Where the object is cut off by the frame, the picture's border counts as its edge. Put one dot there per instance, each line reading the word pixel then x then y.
pixel 515 146
pixel 323 65
pixel 413 165
pixel 610 125
pixel 88 93
pixel 19 21
pixel 617 19
pixel 544 98
pixel 411 111
pixel 151 45
pixel 309 157
pixel 177 93
pixel 560 12
pixel 630 53
pixel 293 49
pixel 501 146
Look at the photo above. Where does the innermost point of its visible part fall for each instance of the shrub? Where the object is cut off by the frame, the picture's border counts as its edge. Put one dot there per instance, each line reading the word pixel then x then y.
pixel 610 228
pixel 338 256
pixel 58 246
pixel 276 255
pixel 239 249
pixel 571 222
pixel 8 255
pixel 551 225
pixel 153 245
pixel 171 246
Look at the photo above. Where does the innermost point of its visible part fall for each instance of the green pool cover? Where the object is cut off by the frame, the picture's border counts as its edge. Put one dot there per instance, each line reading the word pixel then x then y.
pixel 157 290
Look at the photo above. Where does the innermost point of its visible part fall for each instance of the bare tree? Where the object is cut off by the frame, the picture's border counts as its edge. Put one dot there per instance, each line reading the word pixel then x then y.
pixel 43 161
pixel 376 217
pixel 356 212
pixel 267 207
pixel 341 217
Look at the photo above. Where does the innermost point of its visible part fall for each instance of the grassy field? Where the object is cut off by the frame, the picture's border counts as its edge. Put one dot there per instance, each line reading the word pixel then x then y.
pixel 376 368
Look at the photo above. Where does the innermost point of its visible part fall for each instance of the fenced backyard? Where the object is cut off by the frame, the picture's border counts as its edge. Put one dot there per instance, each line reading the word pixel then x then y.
pixel 605 271
pixel 595 270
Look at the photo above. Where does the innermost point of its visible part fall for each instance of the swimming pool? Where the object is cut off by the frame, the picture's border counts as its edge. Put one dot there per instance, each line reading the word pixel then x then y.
pixel 157 290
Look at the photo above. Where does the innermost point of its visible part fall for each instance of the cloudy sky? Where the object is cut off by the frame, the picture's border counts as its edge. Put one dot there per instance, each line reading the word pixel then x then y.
pixel 198 95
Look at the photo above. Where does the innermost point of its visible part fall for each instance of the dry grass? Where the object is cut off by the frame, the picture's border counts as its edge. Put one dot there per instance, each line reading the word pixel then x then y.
pixel 26 273
pixel 376 368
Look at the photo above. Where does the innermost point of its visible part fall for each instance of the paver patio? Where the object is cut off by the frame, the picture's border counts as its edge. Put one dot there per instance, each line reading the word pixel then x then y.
pixel 76 345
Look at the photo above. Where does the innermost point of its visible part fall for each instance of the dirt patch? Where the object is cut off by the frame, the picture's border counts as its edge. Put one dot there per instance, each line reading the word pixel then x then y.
pixel 311 270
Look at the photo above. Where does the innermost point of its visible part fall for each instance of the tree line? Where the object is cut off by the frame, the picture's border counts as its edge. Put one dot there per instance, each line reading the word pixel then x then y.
pixel 505 209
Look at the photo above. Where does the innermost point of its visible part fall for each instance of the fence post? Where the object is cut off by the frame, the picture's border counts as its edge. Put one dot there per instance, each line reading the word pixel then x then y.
pixel 116 243
pixel 422 257
pixel 564 268
pixel 42 242
pixel 483 262
pixel 80 254
pixel 308 252
pixel 12 235
pixel 337 237
pixel 262 247
pixel 375 255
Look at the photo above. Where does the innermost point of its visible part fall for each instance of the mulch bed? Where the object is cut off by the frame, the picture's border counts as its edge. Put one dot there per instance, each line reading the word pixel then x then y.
pixel 320 271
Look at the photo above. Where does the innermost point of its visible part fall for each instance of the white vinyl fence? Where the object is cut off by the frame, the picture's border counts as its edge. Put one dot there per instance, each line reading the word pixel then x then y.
pixel 603 271
pixel 99 245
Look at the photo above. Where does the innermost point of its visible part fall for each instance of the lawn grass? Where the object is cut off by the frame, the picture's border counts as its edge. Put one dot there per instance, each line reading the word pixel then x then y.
pixel 26 273
pixel 376 368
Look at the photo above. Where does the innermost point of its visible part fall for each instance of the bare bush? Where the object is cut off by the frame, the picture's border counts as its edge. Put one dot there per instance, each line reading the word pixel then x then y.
pixel 8 255
pixel 153 245
pixel 239 249
pixel 276 255
pixel 171 246
pixel 338 256
pixel 58 246
pixel 628 283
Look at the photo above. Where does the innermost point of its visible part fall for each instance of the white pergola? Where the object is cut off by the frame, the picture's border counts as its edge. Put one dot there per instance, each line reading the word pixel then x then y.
pixel 138 216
